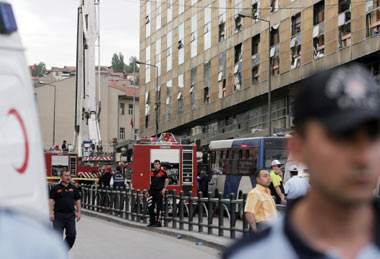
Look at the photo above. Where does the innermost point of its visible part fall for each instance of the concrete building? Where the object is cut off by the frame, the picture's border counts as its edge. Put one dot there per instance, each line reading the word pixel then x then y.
pixel 213 65
pixel 56 106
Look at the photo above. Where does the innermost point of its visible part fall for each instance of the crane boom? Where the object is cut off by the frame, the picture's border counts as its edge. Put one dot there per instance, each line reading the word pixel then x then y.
pixel 87 132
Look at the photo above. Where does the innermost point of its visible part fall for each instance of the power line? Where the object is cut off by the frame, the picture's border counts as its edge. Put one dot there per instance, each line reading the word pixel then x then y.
pixel 234 8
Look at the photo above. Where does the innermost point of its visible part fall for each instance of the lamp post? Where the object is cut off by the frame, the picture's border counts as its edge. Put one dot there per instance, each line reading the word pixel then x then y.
pixel 156 101
pixel 55 89
pixel 269 69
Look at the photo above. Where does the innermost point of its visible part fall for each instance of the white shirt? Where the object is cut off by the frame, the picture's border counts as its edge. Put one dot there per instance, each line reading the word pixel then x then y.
pixel 296 187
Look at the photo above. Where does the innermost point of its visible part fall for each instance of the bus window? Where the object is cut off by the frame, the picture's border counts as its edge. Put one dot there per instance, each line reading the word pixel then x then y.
pixel 247 154
pixel 240 154
pixel 227 155
pixel 274 148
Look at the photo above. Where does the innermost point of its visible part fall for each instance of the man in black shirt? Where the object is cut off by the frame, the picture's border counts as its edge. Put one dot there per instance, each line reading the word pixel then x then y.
pixel 158 183
pixel 64 197
pixel 203 183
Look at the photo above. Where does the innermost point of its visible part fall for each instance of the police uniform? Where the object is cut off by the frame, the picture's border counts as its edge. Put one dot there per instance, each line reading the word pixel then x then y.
pixel 288 244
pixel 64 210
pixel 118 180
pixel 157 183
pixel 275 180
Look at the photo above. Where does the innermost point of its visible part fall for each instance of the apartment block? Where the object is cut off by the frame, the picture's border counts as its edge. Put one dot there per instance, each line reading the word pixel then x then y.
pixel 209 67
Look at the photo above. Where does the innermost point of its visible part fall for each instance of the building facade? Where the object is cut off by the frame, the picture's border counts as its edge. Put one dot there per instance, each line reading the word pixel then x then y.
pixel 213 65
pixel 56 108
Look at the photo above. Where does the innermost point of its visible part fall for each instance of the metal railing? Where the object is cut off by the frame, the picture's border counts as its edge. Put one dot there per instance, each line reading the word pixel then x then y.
pixel 210 215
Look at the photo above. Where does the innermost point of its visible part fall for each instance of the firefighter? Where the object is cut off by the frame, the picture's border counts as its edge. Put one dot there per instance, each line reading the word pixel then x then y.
pixel 63 197
pixel 158 183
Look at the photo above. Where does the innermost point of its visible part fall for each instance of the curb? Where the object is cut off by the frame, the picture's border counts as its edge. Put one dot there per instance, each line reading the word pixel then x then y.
pixel 162 230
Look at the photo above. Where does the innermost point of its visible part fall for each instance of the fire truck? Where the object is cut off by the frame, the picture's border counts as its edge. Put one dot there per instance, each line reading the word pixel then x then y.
pixel 179 160
pixel 57 162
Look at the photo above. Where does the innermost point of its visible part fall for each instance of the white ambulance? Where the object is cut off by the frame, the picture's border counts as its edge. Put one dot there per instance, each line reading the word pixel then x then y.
pixel 23 191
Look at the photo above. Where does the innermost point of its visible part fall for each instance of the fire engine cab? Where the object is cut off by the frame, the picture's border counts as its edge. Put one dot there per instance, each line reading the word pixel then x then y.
pixel 179 161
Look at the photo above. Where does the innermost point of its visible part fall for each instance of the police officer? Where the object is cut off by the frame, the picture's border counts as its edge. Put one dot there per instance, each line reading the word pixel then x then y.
pixel 64 197
pixel 337 136
pixel 118 179
pixel 158 183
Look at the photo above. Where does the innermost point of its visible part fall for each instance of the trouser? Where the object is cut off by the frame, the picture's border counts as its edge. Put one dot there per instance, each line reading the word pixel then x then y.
pixel 155 202
pixel 65 221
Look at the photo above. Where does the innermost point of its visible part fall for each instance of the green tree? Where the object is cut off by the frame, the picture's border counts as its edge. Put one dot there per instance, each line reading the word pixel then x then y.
pixel 130 67
pixel 118 63
pixel 39 69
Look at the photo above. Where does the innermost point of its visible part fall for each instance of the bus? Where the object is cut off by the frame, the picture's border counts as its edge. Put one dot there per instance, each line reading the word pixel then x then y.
pixel 234 162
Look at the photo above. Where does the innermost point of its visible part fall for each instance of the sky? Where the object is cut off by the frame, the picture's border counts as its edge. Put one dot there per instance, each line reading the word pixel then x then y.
pixel 48 30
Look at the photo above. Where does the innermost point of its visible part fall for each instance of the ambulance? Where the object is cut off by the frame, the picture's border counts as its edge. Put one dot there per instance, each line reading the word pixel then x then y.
pixel 23 186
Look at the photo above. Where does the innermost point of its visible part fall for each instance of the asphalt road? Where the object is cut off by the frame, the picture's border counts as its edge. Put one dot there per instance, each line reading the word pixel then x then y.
pixel 101 239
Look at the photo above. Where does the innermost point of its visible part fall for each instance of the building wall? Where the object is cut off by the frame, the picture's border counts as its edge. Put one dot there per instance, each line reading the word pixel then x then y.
pixel 360 46
pixel 110 121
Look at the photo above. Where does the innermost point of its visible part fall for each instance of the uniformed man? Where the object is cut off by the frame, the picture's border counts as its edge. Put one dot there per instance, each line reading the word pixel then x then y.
pixel 337 118
pixel 118 179
pixel 158 183
pixel 276 186
pixel 64 197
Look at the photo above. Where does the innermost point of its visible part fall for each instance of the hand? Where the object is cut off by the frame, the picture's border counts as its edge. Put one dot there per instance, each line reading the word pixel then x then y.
pixel 146 195
pixel 52 216
pixel 78 217
pixel 163 191
pixel 283 201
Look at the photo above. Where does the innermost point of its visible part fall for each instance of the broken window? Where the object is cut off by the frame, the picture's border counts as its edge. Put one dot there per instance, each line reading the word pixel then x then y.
pixel 222 75
pixel 168 100
pixel 273 5
pixel 147 19
pixel 222 20
pixel 256 8
pixel 193 88
pixel 275 35
pixel 255 59
pixel 344 23
pixel 373 17
pixel 319 46
pixel 206 95
pixel 275 49
pixel 181 46
pixel 295 42
pixel 296 24
pixel 319 12
pixel 147 109
pixel 238 67
pixel 180 102
pixel 238 19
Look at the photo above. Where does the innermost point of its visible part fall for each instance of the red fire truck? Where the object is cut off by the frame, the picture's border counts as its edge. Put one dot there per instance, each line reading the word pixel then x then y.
pixel 56 162
pixel 179 161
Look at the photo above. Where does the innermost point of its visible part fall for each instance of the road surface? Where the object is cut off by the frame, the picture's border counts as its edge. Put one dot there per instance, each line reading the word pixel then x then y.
pixel 101 239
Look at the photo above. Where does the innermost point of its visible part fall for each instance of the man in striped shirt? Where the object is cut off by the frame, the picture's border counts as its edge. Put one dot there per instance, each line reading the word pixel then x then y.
pixel 260 207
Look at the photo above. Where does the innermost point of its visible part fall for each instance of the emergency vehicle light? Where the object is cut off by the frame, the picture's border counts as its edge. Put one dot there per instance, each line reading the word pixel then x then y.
pixel 7 19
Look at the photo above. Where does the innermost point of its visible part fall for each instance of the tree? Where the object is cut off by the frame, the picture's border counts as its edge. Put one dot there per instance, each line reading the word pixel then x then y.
pixel 118 63
pixel 130 67
pixel 39 70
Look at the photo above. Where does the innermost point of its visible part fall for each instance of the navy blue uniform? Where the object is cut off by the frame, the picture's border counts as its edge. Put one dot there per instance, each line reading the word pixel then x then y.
pixel 157 183
pixel 64 210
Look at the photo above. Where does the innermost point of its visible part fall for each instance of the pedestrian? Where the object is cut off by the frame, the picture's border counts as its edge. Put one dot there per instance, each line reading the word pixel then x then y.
pixel 276 187
pixel 158 185
pixel 296 186
pixel 337 136
pixel 64 197
pixel 118 179
pixel 260 207
pixel 203 183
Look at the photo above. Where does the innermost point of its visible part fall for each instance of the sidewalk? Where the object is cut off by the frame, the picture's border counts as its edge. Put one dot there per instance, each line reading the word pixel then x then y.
pixel 212 241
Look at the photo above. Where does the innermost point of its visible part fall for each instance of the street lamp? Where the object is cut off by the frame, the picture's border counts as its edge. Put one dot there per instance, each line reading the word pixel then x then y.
pixel 269 68
pixel 55 87
pixel 156 101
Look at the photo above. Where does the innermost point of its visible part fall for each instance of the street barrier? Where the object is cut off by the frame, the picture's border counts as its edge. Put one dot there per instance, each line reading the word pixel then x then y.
pixel 210 215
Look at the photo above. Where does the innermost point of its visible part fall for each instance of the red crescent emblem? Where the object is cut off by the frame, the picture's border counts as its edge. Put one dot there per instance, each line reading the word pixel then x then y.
pixel 18 117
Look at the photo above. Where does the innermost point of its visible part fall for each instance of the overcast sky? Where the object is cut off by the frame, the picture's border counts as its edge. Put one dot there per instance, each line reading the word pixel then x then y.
pixel 48 30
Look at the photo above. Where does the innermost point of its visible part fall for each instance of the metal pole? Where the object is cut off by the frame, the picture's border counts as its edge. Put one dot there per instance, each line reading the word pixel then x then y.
pixel 156 102
pixel 54 116
pixel 134 97
pixel 269 86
